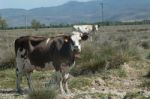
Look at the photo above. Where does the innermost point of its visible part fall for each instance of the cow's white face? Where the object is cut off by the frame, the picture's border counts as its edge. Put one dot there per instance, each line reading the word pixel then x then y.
pixel 85 28
pixel 76 38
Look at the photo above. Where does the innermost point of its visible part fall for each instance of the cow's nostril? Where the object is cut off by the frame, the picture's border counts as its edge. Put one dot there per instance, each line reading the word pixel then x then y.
pixel 76 48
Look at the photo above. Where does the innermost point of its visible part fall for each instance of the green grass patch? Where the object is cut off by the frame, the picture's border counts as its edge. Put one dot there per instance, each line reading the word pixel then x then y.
pixel 79 83
pixel 7 78
pixel 115 72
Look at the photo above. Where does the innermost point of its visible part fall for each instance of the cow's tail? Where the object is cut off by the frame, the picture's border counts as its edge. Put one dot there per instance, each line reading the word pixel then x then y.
pixel 30 46
pixel 16 46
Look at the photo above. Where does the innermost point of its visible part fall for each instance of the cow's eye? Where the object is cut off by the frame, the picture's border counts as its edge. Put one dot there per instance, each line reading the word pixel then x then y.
pixel 80 40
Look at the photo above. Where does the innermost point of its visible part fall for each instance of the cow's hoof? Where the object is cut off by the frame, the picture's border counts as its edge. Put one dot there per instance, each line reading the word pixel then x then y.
pixel 20 91
pixel 67 96
pixel 71 95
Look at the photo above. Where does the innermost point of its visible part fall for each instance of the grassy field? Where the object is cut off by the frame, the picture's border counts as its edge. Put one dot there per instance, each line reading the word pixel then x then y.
pixel 114 65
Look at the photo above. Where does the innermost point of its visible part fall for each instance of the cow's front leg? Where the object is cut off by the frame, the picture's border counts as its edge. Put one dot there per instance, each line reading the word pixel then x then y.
pixel 66 77
pixel 59 76
pixel 29 80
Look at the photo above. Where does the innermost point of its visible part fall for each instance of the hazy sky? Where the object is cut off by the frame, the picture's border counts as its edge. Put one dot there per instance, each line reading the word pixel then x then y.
pixel 28 4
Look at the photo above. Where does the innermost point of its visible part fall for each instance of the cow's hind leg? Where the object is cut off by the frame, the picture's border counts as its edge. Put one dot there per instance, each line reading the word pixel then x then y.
pixel 19 68
pixel 18 80
pixel 29 80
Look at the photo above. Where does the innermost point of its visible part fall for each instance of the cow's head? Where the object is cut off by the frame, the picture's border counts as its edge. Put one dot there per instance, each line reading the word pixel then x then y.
pixel 85 28
pixel 77 37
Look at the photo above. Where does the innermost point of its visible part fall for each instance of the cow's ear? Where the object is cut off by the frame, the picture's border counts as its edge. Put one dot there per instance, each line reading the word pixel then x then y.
pixel 85 37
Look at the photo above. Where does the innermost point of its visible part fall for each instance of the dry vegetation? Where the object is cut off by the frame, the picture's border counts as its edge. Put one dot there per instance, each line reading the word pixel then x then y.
pixel 114 65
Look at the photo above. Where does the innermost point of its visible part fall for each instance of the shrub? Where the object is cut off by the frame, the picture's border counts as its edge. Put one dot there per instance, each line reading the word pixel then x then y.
pixel 148 56
pixel 146 83
pixel 145 44
pixel 135 95
pixel 148 74
pixel 42 94
pixel 94 58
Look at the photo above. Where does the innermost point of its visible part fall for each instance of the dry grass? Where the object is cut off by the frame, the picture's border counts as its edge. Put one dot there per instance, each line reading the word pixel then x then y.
pixel 43 94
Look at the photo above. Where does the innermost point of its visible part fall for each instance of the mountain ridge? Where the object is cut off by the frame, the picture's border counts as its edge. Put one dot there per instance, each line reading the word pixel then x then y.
pixel 78 12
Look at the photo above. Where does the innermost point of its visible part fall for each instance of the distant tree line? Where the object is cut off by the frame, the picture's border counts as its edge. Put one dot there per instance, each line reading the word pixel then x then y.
pixel 35 24
pixel 110 23
pixel 3 23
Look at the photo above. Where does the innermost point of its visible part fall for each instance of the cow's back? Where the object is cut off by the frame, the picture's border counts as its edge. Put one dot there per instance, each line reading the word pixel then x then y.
pixel 23 42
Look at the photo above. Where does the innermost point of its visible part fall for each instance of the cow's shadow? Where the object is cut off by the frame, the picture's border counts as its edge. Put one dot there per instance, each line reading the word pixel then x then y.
pixel 13 91
pixel 7 91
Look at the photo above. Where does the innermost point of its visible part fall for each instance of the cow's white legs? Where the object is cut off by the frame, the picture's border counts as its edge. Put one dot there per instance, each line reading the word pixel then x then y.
pixel 61 88
pixel 18 80
pixel 60 78
pixel 29 80
pixel 19 69
pixel 66 77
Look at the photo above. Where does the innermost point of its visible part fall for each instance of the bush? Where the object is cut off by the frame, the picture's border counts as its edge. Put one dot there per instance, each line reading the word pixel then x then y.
pixel 42 94
pixel 146 83
pixel 145 45
pixel 94 58
pixel 135 95
pixel 7 63
pixel 148 56
pixel 148 74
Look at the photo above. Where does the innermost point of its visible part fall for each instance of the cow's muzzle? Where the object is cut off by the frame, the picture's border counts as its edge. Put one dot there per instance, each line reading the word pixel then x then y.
pixel 77 52
pixel 76 49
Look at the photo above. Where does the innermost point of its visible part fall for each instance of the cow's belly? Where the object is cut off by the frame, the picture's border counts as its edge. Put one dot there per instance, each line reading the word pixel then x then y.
pixel 42 65
pixel 28 67
pixel 25 64
pixel 39 58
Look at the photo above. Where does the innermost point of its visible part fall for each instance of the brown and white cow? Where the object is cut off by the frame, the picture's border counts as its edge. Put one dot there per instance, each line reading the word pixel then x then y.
pixel 34 52
pixel 86 29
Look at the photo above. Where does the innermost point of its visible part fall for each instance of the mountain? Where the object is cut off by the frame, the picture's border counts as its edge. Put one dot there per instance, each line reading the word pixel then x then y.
pixel 77 12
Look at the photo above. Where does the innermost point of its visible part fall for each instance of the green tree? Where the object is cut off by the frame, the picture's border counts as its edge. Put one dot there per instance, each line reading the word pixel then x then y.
pixel 35 24
pixel 3 23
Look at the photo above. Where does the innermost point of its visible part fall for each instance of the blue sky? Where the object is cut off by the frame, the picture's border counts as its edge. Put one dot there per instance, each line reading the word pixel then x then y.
pixel 29 4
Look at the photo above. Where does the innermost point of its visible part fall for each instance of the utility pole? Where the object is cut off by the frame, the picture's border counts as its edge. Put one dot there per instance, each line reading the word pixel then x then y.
pixel 26 21
pixel 25 16
pixel 102 12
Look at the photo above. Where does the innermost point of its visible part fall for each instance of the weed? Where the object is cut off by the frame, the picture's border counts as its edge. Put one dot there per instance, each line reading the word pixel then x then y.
pixel 42 94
